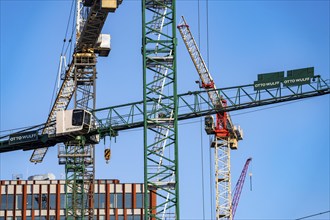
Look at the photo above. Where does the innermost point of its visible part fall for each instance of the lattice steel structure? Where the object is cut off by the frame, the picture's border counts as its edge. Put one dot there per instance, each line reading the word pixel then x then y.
pixel 160 118
pixel 223 129
pixel 78 157
pixel 222 178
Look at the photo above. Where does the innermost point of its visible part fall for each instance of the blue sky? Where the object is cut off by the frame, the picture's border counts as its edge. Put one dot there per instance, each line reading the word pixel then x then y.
pixel 289 144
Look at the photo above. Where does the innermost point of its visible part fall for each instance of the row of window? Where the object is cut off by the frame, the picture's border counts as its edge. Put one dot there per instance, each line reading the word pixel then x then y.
pixel 120 217
pixel 116 200
pixel 37 202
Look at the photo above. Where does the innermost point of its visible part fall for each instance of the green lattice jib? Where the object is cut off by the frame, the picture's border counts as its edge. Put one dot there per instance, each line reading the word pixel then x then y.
pixel 160 114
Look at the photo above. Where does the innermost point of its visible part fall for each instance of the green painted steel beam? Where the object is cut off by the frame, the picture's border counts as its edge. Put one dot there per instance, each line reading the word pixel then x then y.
pixel 190 105
pixel 160 118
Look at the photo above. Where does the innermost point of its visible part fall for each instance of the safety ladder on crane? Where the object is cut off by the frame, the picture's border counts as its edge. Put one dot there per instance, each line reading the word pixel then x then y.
pixel 61 103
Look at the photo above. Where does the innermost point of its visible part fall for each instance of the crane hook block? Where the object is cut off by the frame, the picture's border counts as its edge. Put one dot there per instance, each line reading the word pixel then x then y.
pixel 107 154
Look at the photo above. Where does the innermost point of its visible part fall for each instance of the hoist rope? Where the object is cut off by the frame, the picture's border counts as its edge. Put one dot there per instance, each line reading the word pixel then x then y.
pixel 321 213
pixel 211 164
pixel 59 64
pixel 67 26
pixel 201 122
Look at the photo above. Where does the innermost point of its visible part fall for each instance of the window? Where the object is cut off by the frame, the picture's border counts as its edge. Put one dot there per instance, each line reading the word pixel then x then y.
pixel 52 201
pixel 10 202
pixel 102 200
pixel 96 200
pixel 62 202
pixel 119 201
pixel 128 200
pixel 19 201
pixel 77 117
pixel 87 119
pixel 35 202
pixel 112 200
pixel 137 217
pixel 139 200
pixel 29 202
pixel 43 201
pixel 3 202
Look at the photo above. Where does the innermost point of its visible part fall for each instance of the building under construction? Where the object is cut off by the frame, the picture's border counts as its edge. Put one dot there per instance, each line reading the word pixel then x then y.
pixel 46 199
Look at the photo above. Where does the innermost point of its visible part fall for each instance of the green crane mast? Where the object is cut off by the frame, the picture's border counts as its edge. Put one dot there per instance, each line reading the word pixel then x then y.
pixel 160 118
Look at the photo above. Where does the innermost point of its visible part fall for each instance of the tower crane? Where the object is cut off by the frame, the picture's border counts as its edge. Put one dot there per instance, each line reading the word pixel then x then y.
pixel 79 82
pixel 239 187
pixel 159 54
pixel 226 135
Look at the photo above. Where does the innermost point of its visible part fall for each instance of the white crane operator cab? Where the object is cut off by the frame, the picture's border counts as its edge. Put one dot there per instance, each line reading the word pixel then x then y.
pixel 74 121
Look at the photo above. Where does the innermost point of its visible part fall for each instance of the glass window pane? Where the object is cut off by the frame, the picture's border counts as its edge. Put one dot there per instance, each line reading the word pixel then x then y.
pixel 128 200
pixel 139 200
pixel 120 217
pixel 112 200
pixel 43 201
pixel 96 200
pixel 137 217
pixel 77 117
pixel 10 202
pixel 35 202
pixel 19 201
pixel 62 202
pixel 102 200
pixel 29 202
pixel 3 202
pixel 52 201
pixel 119 201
